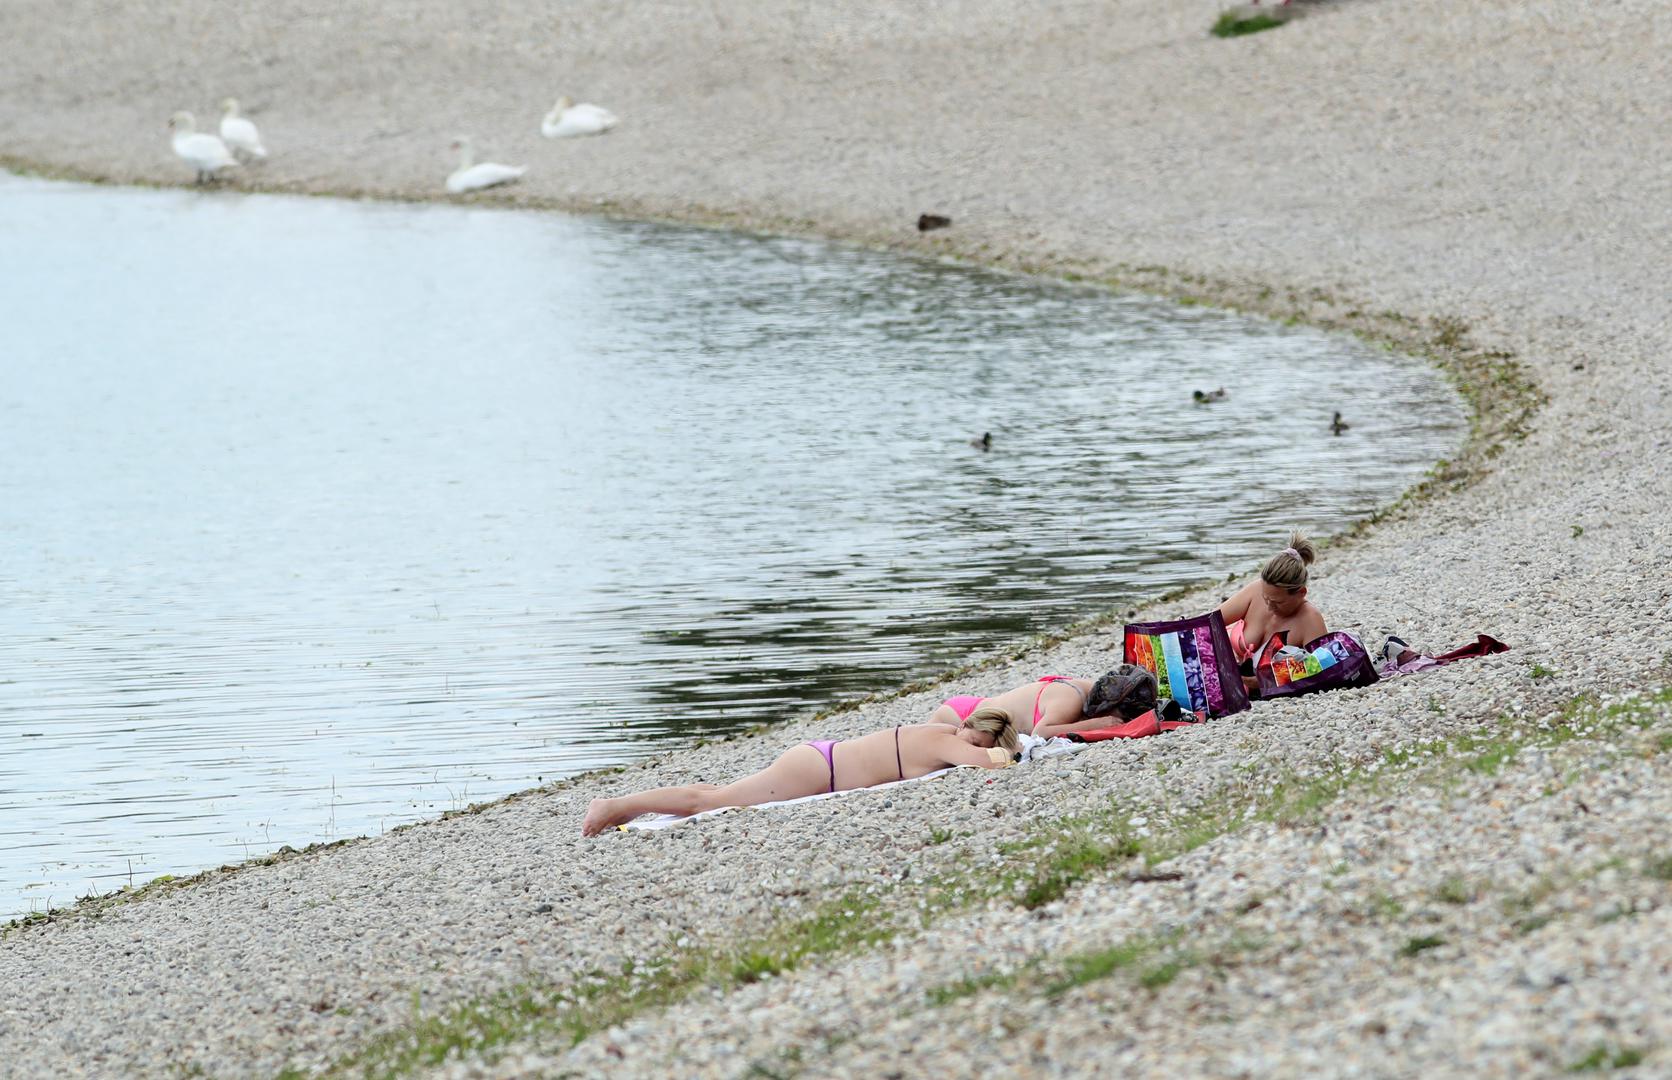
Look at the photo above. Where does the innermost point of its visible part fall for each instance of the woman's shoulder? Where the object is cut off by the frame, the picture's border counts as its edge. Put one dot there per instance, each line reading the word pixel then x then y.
pixel 1310 621
pixel 1236 605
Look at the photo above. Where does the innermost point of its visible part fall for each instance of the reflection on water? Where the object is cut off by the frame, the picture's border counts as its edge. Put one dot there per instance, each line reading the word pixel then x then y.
pixel 322 517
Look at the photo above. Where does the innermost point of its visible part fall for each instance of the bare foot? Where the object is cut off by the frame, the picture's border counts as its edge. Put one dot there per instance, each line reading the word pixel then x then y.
pixel 600 815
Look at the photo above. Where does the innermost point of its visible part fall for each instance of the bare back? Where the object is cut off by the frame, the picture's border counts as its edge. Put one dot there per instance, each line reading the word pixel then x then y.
pixel 923 748
pixel 1057 703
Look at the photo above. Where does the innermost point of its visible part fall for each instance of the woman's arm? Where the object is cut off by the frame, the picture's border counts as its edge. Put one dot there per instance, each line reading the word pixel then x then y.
pixel 1237 606
pixel 1047 730
pixel 955 751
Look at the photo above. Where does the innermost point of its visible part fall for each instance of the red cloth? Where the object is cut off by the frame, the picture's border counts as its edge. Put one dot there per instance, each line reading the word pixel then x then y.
pixel 1481 646
pixel 1136 728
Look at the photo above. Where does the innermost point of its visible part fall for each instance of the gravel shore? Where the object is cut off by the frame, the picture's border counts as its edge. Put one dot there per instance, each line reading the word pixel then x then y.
pixel 1483 179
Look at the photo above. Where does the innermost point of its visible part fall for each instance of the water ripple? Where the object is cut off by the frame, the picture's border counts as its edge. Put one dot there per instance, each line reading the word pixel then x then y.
pixel 322 517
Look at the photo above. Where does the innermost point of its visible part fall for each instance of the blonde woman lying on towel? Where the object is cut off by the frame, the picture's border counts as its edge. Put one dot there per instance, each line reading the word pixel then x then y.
pixel 986 739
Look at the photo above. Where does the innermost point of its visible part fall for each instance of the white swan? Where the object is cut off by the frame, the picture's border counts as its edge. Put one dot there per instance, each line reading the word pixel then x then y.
pixel 239 133
pixel 203 152
pixel 568 119
pixel 472 177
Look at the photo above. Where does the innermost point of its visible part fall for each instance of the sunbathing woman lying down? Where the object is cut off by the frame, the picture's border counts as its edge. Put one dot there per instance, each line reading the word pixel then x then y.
pixel 1058 704
pixel 986 739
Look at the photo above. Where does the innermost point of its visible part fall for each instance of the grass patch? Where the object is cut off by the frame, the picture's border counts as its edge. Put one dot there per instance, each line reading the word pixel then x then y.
pixel 1603 1056
pixel 755 966
pixel 1660 869
pixel 1491 761
pixel 1230 24
pixel 1541 672
pixel 1156 977
pixel 1061 975
pixel 963 988
pixel 1074 860
pixel 1086 967
pixel 1422 944
pixel 1454 890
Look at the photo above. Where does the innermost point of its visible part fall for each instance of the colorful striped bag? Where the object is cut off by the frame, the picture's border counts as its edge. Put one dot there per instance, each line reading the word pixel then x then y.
pixel 1333 662
pixel 1192 661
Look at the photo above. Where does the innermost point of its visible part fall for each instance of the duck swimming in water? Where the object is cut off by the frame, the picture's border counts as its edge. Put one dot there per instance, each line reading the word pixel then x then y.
pixel 1206 397
pixel 1338 425
pixel 983 443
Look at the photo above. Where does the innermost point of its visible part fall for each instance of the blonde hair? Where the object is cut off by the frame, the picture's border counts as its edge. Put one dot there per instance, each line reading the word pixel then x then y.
pixel 1287 569
pixel 996 722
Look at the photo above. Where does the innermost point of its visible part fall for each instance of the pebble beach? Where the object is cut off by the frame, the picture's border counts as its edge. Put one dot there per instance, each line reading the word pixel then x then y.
pixel 1463 872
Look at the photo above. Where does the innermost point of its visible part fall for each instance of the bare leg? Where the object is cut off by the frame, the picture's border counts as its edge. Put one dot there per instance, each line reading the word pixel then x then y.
pixel 602 814
pixel 799 771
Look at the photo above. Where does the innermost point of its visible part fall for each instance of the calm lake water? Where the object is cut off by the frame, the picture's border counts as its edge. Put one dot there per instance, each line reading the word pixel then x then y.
pixel 319 517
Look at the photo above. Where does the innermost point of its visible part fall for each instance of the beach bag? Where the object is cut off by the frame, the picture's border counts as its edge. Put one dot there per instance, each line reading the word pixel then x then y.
pixel 1332 662
pixel 1192 662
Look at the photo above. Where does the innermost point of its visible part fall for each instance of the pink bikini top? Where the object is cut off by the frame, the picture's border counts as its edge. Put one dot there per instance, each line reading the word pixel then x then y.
pixel 1047 680
pixel 1239 641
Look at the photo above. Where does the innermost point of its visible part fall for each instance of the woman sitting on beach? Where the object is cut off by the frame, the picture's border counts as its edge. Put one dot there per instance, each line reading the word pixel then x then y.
pixel 986 739
pixel 1058 704
pixel 1274 603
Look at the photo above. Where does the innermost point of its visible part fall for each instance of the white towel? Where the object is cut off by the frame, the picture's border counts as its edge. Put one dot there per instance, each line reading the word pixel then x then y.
pixel 1034 748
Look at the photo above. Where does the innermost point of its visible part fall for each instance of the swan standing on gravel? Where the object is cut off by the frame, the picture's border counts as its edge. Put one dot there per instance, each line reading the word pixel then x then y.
pixel 239 133
pixel 472 177
pixel 568 119
pixel 202 151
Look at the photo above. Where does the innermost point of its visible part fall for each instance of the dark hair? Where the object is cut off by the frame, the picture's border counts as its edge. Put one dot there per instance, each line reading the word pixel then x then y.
pixel 1129 690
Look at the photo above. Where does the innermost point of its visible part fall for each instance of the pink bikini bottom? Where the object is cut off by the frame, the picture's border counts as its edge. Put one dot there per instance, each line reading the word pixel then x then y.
pixel 827 747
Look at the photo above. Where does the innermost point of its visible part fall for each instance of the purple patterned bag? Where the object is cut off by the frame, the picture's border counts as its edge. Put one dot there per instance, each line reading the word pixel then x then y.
pixel 1336 660
pixel 1192 662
